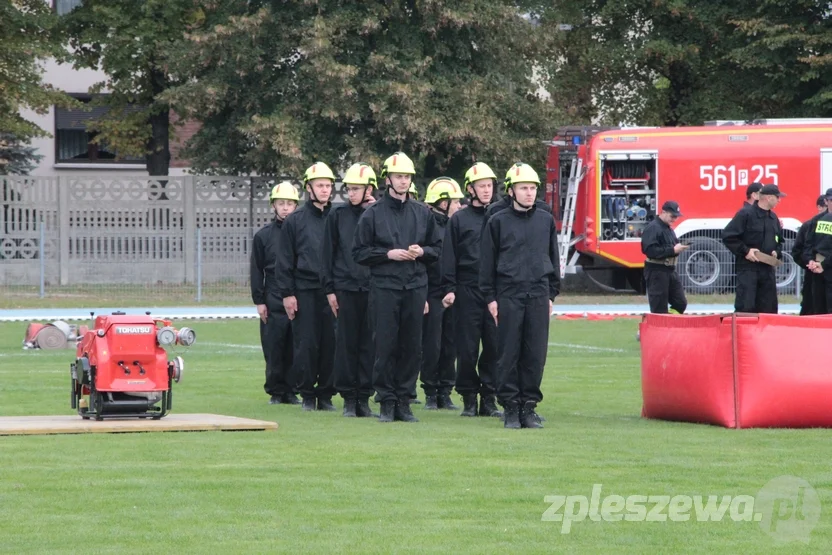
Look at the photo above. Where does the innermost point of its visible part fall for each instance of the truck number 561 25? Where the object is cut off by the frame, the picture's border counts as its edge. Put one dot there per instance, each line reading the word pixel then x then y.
pixel 719 178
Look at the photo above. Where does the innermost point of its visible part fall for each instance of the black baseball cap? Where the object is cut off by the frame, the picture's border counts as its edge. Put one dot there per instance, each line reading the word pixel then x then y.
pixel 772 190
pixel 753 188
pixel 828 194
pixel 671 206
pixel 822 201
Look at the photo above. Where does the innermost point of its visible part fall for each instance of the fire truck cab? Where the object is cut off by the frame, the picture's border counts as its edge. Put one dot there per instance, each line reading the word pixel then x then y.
pixel 606 184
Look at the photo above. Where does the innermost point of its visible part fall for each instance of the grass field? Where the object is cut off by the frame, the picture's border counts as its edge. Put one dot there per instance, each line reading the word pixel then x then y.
pixel 326 484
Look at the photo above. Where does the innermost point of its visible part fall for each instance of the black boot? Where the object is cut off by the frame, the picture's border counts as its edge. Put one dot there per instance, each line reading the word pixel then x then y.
pixel 512 416
pixel 309 403
pixel 469 403
pixel 402 412
pixel 388 408
pixel 529 418
pixel 488 406
pixel 443 401
pixel 349 408
pixel 290 399
pixel 430 402
pixel 325 403
pixel 275 400
pixel 362 409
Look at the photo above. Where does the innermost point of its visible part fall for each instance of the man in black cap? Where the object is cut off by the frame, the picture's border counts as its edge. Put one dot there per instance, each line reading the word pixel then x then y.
pixel 756 230
pixel 752 194
pixel 661 247
pixel 816 252
pixel 807 302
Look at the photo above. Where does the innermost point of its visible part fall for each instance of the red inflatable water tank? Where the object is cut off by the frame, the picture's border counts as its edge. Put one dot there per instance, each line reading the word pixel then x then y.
pixel 738 371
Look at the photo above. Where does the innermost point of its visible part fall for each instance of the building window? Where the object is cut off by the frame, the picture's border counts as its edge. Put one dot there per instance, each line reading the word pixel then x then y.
pixel 74 143
pixel 63 7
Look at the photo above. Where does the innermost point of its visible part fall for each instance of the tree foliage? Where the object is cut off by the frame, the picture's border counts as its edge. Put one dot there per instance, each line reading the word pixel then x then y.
pixel 28 38
pixel 447 82
pixel 128 40
pixel 681 62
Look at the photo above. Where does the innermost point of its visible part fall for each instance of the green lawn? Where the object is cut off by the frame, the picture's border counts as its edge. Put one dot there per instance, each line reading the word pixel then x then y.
pixel 327 484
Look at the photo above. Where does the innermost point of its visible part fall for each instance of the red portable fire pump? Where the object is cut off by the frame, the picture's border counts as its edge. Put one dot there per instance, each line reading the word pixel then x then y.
pixel 122 369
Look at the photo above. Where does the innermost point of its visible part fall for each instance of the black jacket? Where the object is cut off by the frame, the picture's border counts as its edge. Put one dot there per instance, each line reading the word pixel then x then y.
pixel 819 240
pixel 520 255
pixel 435 268
pixel 339 271
pixel 802 251
pixel 461 248
pixel 753 228
pixel 299 256
pixel 392 224
pixel 657 242
pixel 264 248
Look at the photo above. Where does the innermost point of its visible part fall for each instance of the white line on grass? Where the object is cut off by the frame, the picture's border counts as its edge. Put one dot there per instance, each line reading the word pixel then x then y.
pixel 231 345
pixel 587 347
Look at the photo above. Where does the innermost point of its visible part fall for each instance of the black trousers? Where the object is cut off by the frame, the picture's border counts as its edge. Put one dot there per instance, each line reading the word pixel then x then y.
pixel 663 288
pixel 276 340
pixel 313 331
pixel 756 288
pixel 438 356
pixel 474 324
pixel 523 340
pixel 353 346
pixel 397 324
pixel 807 297
pixel 819 297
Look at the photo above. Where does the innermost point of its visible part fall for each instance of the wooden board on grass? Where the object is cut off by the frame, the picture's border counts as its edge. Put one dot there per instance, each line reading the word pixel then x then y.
pixel 74 424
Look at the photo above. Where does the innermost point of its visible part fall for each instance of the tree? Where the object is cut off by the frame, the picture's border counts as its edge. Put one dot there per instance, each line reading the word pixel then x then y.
pixel 27 31
pixel 790 45
pixel 127 40
pixel 652 62
pixel 446 82
pixel 15 157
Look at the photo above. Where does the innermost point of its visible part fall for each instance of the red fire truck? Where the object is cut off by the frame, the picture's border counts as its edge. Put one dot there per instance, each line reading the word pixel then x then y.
pixel 605 185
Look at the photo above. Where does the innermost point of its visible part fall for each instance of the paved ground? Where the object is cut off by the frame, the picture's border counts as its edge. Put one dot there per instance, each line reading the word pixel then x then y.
pixel 200 312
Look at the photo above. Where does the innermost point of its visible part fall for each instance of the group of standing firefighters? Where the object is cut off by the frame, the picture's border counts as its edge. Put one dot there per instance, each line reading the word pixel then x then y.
pixel 368 296
pixel 755 237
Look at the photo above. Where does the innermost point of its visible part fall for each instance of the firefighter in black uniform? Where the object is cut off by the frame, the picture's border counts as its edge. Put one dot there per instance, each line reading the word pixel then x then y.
pixel 816 255
pixel 756 229
pixel 807 303
pixel 461 269
pixel 661 247
pixel 438 354
pixel 298 275
pixel 275 328
pixel 347 288
pixel 519 278
pixel 397 237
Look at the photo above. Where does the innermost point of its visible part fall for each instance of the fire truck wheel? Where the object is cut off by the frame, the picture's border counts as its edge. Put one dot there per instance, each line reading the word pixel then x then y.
pixel 705 268
pixel 787 273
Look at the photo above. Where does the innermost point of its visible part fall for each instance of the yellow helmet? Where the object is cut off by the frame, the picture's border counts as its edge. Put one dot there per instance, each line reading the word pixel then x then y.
pixel 316 171
pixel 520 173
pixel 478 171
pixel 397 163
pixel 284 191
pixel 413 190
pixel 360 174
pixel 443 188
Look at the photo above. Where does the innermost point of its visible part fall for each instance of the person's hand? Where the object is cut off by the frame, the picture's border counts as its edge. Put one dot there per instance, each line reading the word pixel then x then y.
pixel 333 303
pixel 263 312
pixel 492 308
pixel 427 308
pixel 679 247
pixel 550 307
pixel 416 250
pixel 369 198
pixel 752 255
pixel 400 255
pixel 449 299
pixel 291 306
pixel 774 254
pixel 812 266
